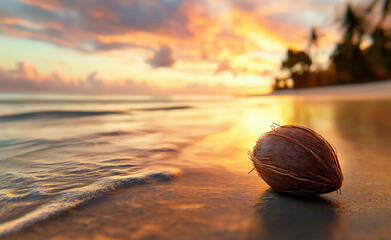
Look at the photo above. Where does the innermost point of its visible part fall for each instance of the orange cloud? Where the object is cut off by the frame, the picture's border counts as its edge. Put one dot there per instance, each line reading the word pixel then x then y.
pixel 50 5
pixel 25 78
pixel 219 33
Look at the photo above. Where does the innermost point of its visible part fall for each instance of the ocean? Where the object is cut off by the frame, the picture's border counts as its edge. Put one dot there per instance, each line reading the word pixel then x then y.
pixel 58 152
pixel 76 157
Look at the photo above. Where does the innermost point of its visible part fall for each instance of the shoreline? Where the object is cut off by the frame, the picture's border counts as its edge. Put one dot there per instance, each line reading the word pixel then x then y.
pixel 372 90
pixel 213 196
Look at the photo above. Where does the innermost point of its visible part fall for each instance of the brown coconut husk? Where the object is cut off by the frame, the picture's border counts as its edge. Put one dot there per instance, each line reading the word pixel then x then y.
pixel 312 165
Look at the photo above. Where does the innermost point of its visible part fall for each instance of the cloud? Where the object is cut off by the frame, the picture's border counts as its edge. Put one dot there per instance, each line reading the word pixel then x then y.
pixel 84 19
pixel 180 23
pixel 219 32
pixel 26 78
pixel 255 67
pixel 162 57
pixel 225 66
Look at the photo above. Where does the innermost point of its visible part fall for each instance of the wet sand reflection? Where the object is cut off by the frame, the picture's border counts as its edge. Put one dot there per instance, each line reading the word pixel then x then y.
pixel 283 217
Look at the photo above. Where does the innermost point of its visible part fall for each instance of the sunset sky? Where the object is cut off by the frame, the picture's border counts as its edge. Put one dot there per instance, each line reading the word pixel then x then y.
pixel 155 46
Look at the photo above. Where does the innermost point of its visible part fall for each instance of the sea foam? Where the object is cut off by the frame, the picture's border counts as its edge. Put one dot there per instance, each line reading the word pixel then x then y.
pixel 76 197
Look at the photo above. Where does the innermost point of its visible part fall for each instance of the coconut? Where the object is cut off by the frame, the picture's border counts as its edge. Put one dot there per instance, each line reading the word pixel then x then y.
pixel 296 160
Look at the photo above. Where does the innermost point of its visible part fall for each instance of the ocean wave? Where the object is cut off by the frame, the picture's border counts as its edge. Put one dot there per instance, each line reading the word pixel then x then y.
pixel 54 115
pixel 117 160
pixel 163 150
pixel 164 108
pixel 113 134
pixel 29 195
pixel 21 141
pixel 76 197
pixel 117 166
pixel 57 100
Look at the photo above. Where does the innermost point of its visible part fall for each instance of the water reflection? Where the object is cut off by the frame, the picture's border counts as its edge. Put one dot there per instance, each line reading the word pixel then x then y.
pixel 319 114
pixel 369 121
pixel 349 118
pixel 365 124
pixel 282 217
pixel 248 120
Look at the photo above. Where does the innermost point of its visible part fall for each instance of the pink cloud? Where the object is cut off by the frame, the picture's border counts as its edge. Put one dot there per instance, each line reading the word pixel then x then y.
pixel 186 23
pixel 196 31
pixel 162 57
pixel 26 78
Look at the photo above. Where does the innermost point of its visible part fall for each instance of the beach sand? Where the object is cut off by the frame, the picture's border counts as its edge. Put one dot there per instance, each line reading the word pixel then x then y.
pixel 212 196
pixel 373 90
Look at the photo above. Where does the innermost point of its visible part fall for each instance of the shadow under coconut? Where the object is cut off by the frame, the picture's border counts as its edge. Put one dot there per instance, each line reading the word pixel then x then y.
pixel 280 216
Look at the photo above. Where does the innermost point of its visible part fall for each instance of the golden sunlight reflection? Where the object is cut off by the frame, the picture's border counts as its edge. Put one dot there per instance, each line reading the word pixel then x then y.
pixel 230 147
pixel 250 119
pixel 309 113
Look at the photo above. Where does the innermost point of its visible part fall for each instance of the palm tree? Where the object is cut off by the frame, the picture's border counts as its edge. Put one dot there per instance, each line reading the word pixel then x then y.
pixel 314 41
pixel 348 59
pixel 353 25
pixel 386 9
pixel 314 38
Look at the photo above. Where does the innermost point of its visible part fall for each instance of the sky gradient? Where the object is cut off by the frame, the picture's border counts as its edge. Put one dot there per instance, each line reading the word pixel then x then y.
pixel 155 47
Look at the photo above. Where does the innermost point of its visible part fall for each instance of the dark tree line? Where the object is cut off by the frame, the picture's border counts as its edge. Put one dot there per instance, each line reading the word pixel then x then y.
pixel 350 62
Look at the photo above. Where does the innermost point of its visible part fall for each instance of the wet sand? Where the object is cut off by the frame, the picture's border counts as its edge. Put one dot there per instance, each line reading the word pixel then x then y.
pixel 213 197
pixel 369 91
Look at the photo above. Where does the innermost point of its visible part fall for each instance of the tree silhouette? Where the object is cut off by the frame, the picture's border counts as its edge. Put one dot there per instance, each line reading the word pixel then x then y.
pixel 314 38
pixel 314 41
pixel 296 65
pixel 351 61
pixel 353 25
pixel 297 61
pixel 385 10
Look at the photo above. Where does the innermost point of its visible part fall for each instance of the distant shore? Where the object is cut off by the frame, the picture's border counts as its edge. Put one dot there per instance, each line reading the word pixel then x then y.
pixel 375 90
